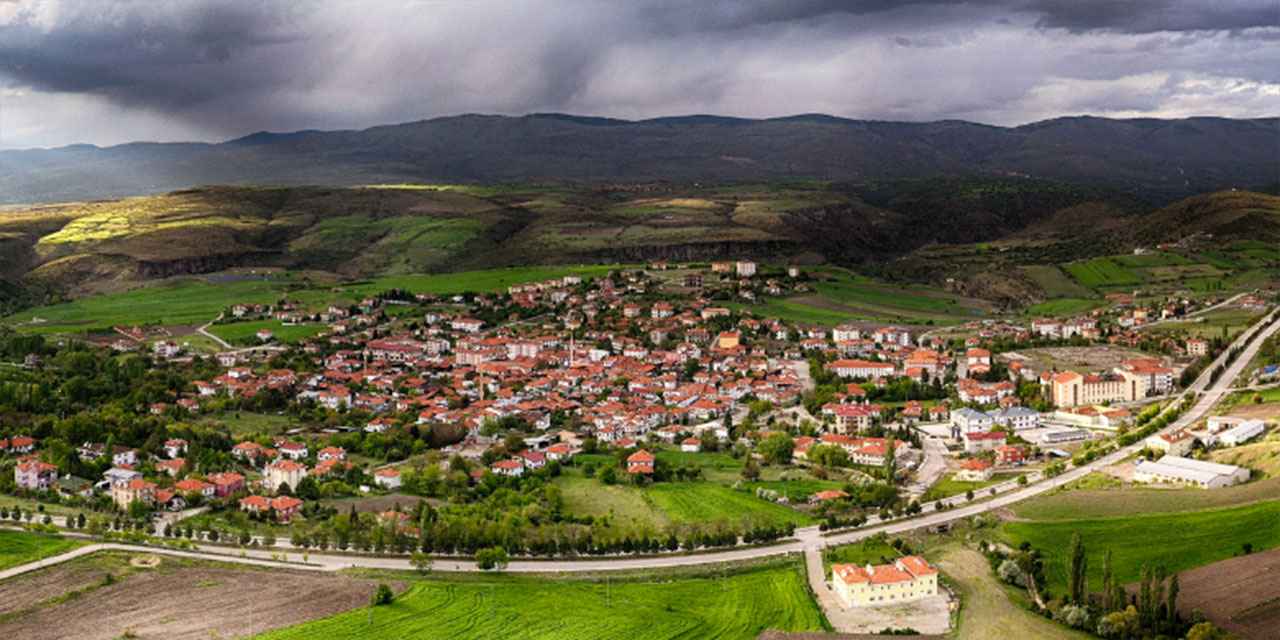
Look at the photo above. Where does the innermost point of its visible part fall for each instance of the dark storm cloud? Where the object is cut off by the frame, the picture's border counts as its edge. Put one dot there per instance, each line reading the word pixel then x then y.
pixel 106 71
pixel 1148 16
pixel 142 57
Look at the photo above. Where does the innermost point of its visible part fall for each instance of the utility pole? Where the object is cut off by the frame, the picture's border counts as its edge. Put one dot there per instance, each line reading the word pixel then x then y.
pixel 492 607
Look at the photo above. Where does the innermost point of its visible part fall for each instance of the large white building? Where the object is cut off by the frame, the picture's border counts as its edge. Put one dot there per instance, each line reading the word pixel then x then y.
pixel 1176 470
pixel 907 579
pixel 1237 430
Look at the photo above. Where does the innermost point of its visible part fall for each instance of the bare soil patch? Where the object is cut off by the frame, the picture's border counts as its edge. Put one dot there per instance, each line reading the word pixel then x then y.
pixel 1265 411
pixel 181 600
pixel 33 588
pixel 1086 356
pixel 1223 590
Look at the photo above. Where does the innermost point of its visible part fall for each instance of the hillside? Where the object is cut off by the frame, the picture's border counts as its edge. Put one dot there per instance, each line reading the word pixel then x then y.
pixel 81 248
pixel 1161 160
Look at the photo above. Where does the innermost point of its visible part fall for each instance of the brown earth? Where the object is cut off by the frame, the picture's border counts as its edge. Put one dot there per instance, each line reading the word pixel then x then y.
pixel 1224 590
pixel 178 600
pixel 1266 411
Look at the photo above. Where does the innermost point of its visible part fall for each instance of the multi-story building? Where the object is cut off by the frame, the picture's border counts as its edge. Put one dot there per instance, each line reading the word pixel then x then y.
pixel 907 579
pixel 1071 389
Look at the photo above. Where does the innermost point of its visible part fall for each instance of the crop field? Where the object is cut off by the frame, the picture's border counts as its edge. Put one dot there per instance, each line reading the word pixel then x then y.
pixel 1101 272
pixel 707 502
pixel 181 301
pixel 158 603
pixel 1202 537
pixel 738 606
pixel 1063 307
pixel 197 300
pixel 1053 282
pixel 793 311
pixel 247 332
pixel 17 547
pixel 1080 504
pixel 1240 595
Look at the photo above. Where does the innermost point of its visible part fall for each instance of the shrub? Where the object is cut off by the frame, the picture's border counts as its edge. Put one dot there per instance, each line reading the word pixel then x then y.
pixel 1010 572
pixel 1075 616
pixel 383 595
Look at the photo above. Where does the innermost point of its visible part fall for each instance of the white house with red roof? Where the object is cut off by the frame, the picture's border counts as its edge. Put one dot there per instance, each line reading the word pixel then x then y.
pixel 907 579
pixel 387 478
pixel 510 468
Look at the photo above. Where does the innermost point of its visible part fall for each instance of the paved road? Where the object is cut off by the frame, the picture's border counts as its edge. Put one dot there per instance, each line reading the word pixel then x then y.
pixel 935 462
pixel 203 330
pixel 808 539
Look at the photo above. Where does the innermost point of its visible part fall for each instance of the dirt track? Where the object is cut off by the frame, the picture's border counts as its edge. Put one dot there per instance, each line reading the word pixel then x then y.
pixel 190 601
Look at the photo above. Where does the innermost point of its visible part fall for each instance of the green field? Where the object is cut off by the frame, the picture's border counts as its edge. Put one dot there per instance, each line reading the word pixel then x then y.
pixel 949 486
pixel 181 301
pixel 1178 541
pixel 707 502
pixel 1101 272
pixel 1063 307
pixel 196 300
pixel 18 548
pixel 739 606
pixel 247 332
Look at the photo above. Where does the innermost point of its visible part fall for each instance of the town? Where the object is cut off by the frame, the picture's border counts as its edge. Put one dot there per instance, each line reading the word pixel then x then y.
pixel 430 416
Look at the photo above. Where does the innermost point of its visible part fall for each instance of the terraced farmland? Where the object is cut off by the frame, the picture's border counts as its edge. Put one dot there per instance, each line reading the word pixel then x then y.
pixel 739 606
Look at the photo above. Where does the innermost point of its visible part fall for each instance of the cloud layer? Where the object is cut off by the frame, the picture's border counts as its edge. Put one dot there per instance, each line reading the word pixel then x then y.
pixel 109 72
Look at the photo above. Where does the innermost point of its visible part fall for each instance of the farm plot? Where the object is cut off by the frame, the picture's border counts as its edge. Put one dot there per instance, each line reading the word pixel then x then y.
pixel 1101 272
pixel 736 606
pixel 162 602
pixel 1203 537
pixel 1241 595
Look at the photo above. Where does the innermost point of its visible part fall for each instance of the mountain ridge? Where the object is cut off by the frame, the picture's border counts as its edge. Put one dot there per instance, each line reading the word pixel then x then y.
pixel 1160 160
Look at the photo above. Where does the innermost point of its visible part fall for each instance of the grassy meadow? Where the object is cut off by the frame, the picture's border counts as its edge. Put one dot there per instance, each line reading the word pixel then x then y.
pixel 19 548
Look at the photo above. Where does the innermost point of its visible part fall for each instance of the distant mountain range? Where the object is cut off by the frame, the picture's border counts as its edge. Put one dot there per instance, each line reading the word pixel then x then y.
pixel 1158 160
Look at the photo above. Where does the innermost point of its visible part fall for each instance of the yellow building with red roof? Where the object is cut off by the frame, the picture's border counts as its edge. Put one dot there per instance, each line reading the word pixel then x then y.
pixel 908 578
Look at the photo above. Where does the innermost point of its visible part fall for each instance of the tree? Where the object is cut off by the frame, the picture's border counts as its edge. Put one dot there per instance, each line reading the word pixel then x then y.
pixel 492 558
pixel 1077 576
pixel 421 562
pixel 138 509
pixel 751 471
pixel 269 537
pixel 383 595
pixel 609 475
pixel 777 448
pixel 1171 602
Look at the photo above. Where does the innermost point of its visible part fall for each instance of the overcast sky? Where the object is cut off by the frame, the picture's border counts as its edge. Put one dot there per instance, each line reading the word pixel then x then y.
pixel 107 72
